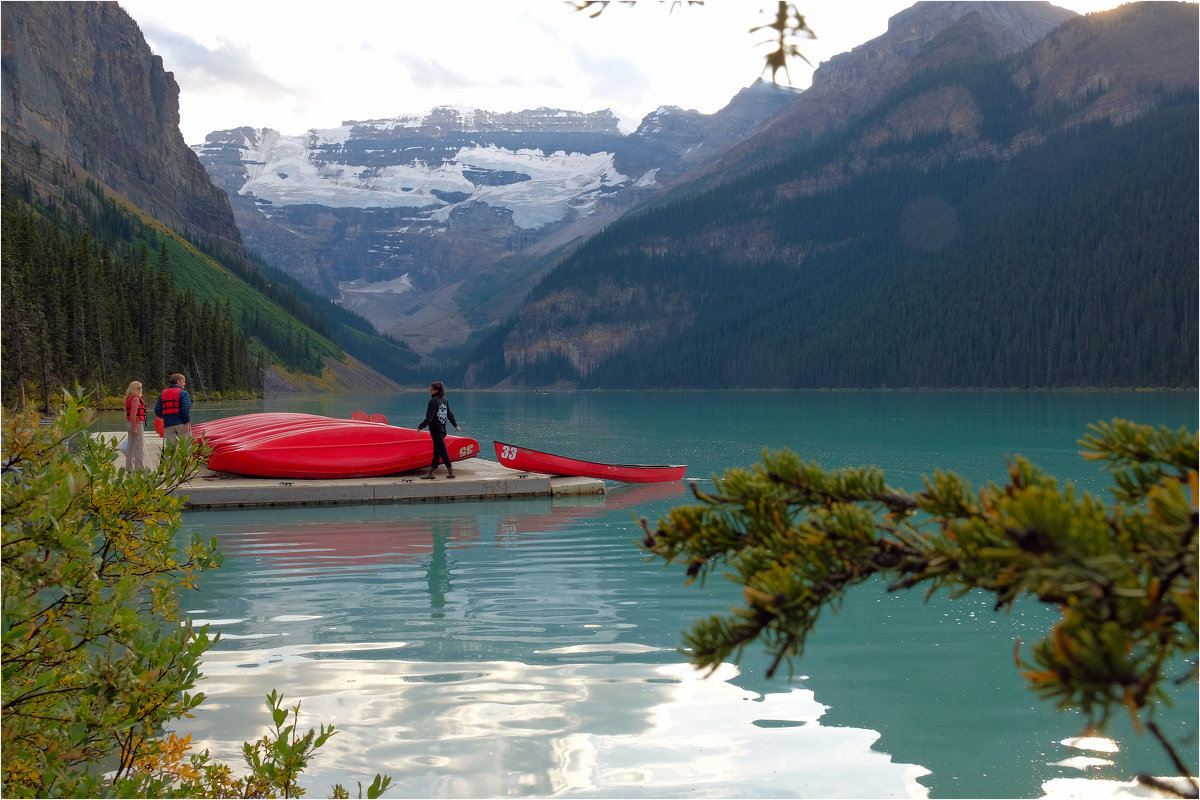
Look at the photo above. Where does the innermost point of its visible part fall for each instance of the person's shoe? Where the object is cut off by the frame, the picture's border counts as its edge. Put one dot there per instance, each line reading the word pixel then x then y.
pixel 450 474
pixel 428 476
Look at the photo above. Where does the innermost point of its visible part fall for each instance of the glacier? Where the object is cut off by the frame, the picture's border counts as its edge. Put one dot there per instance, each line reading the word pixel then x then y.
pixel 291 170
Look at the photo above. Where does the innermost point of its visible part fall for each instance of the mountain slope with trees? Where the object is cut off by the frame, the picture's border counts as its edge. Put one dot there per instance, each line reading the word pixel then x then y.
pixel 970 230
pixel 121 260
pixel 76 311
pixel 115 296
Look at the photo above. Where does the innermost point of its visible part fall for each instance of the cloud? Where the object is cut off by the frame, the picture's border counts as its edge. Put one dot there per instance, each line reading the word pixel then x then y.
pixel 228 64
pixel 296 64
pixel 618 82
pixel 429 73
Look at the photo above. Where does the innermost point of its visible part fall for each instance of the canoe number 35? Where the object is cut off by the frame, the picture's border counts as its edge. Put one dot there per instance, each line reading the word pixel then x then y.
pixel 466 450
pixel 508 452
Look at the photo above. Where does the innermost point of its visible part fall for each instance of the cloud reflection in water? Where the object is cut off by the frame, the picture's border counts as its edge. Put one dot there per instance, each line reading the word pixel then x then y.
pixel 485 729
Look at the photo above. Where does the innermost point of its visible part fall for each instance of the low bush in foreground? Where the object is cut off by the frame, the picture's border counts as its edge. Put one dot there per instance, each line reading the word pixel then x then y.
pixel 98 657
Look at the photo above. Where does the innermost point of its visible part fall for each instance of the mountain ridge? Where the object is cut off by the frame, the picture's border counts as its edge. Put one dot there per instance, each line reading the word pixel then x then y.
pixel 922 37
pixel 398 216
pixel 963 99
pixel 635 303
pixel 417 267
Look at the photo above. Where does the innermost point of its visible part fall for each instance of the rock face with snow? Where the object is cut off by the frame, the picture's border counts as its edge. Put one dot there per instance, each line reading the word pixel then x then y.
pixel 394 216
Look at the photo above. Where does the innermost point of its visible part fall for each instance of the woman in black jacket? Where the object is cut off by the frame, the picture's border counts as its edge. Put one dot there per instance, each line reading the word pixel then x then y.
pixel 437 414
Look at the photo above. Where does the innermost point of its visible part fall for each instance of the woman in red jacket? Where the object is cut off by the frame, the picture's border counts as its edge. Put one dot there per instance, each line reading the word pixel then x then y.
pixel 135 420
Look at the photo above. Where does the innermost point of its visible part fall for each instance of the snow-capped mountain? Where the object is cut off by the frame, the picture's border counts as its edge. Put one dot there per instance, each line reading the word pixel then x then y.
pixel 399 218
pixel 539 189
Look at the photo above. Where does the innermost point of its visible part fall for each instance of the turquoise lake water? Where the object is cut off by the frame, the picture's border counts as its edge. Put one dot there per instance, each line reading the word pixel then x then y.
pixel 527 648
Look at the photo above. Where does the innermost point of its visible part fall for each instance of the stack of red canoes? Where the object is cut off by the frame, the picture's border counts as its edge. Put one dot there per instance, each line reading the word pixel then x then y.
pixel 291 445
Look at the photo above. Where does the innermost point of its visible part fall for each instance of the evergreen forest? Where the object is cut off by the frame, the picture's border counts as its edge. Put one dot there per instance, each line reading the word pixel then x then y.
pixel 98 294
pixel 1071 265
pixel 76 311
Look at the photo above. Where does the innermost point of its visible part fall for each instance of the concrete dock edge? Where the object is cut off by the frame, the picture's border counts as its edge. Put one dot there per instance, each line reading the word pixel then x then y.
pixel 475 478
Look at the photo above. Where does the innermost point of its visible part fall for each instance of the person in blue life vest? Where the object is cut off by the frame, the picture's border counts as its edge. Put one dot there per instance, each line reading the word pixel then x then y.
pixel 437 414
pixel 174 405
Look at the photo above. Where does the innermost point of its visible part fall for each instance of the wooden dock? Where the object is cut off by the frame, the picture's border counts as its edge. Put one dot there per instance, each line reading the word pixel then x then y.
pixel 475 478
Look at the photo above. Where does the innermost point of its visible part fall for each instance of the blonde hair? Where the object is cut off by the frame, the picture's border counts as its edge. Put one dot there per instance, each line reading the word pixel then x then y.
pixel 133 388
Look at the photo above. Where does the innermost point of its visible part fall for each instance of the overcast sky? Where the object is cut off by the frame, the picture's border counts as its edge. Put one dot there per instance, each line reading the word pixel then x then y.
pixel 293 65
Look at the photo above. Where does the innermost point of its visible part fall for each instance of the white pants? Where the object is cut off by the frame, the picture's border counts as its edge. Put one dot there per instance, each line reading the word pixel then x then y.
pixel 135 439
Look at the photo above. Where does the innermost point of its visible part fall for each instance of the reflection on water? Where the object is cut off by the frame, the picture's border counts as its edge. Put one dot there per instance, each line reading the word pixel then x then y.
pixel 580 728
pixel 525 647
pixel 501 648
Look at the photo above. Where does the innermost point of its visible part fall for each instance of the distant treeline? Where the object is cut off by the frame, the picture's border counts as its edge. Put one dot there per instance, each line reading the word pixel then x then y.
pixel 75 310
pixel 1072 265
pixel 95 293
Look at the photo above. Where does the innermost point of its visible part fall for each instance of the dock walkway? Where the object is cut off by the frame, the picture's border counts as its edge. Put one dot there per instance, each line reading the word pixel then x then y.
pixel 474 478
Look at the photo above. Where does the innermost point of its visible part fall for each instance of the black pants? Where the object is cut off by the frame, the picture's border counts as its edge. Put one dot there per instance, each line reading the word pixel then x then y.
pixel 439 448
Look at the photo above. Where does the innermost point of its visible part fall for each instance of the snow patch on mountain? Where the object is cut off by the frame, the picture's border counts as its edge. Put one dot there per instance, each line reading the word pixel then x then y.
pixel 648 179
pixel 359 294
pixel 395 286
pixel 541 188
pixel 559 184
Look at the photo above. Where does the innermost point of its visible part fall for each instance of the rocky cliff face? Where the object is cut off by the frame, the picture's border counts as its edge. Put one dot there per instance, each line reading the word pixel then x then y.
pixel 926 36
pixel 83 95
pixel 395 216
pixel 1113 66
pixel 1104 66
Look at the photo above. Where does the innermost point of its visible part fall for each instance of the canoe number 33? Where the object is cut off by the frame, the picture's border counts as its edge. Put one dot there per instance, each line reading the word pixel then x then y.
pixel 508 452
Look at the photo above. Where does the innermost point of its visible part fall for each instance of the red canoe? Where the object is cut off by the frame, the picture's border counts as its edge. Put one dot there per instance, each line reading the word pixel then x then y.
pixel 314 447
pixel 228 429
pixel 524 459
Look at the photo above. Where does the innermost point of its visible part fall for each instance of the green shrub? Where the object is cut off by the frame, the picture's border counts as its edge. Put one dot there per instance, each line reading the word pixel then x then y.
pixel 97 655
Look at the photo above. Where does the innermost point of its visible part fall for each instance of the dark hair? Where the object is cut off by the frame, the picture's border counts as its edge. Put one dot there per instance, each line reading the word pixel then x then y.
pixel 439 388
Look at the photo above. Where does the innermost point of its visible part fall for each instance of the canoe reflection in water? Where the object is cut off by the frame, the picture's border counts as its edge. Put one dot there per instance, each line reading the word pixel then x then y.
pixel 307 546
pixel 500 648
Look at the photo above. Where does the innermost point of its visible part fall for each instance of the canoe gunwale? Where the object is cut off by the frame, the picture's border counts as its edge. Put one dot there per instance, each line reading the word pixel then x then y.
pixel 590 463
